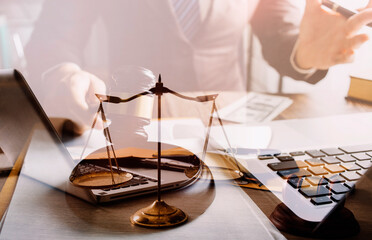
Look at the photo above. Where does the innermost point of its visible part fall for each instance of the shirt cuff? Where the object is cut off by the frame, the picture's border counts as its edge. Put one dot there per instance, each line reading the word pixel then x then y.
pixel 306 72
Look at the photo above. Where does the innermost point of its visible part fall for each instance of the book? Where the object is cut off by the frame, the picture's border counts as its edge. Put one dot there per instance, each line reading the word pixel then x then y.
pixel 360 88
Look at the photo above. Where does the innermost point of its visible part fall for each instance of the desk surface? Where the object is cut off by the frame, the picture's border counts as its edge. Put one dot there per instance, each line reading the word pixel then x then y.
pixel 304 106
pixel 313 104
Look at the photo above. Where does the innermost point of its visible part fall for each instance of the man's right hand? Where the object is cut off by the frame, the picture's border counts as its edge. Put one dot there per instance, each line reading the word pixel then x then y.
pixel 71 94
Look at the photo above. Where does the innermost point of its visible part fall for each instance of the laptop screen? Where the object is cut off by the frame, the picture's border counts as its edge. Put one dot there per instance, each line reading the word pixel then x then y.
pixel 24 125
pixel 19 114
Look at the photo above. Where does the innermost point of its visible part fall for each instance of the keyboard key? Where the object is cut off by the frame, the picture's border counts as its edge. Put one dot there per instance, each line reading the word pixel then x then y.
pixel 298 153
pixel 286 165
pixel 316 180
pixel 294 173
pixel 284 158
pixel 334 168
pixel 362 172
pixel 347 158
pixel 350 185
pixel 338 188
pixel 330 160
pixel 332 151
pixel 298 182
pixel 337 197
pixel 361 156
pixel 369 153
pixel 318 191
pixel 321 200
pixel 317 170
pixel 350 166
pixel 315 153
pixel 265 157
pixel 314 162
pixel 334 178
pixel 350 176
pixel 364 164
pixel 357 148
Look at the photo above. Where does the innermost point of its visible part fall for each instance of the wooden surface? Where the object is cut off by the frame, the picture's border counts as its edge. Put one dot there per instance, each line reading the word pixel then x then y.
pixel 311 105
pixel 304 106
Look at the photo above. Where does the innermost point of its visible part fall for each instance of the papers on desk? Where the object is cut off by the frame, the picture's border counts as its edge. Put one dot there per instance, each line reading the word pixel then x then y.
pixel 255 107
pixel 190 134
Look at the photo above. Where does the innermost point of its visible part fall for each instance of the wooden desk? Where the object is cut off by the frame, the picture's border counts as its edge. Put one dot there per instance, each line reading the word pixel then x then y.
pixel 313 104
pixel 304 106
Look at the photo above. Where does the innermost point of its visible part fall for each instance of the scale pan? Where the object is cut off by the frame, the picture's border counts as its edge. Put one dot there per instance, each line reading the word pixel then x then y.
pixel 88 175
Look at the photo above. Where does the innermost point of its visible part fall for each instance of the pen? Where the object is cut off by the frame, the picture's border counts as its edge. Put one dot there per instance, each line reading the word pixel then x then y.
pixel 343 11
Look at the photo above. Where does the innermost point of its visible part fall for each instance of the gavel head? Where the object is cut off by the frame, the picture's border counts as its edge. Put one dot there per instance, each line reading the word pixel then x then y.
pixel 126 120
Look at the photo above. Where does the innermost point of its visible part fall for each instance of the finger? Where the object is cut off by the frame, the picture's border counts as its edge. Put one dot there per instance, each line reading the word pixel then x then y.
pixel 346 56
pixel 313 3
pixel 79 88
pixel 356 41
pixel 357 21
pixel 96 86
pixel 369 5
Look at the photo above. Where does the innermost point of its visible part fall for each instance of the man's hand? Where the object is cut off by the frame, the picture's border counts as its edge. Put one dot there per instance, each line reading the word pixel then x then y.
pixel 327 38
pixel 71 94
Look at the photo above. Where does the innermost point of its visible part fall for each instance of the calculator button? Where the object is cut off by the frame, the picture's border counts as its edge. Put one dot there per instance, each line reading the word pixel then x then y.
pixel 334 178
pixel 332 151
pixel 347 158
pixel 350 176
pixel 314 162
pixel 321 200
pixel 315 153
pixel 298 153
pixel 361 156
pixel 294 173
pixel 317 170
pixel 330 160
pixel 338 188
pixel 337 197
pixel 364 164
pixel 286 165
pixel 284 158
pixel 315 191
pixel 334 168
pixel 298 182
pixel 350 166
pixel 358 148
pixel 316 180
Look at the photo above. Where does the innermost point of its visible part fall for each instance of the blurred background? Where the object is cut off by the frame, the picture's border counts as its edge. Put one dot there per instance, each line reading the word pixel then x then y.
pixel 17 19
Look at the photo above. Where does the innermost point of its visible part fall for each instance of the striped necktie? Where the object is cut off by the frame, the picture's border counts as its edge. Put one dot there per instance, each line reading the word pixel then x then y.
pixel 188 16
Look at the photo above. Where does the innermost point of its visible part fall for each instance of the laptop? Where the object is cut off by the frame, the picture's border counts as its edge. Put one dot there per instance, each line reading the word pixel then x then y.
pixel 26 126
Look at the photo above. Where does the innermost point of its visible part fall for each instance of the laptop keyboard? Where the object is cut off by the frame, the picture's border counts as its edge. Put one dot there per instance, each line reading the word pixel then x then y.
pixel 135 181
pixel 324 176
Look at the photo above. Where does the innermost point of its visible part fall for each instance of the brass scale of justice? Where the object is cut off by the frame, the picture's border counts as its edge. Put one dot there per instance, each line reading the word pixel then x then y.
pixel 159 214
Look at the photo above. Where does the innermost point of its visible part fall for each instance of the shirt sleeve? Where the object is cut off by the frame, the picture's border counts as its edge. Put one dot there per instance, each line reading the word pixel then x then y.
pixel 276 24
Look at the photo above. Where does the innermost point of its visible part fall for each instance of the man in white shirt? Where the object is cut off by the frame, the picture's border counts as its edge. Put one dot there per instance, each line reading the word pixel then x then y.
pixel 150 34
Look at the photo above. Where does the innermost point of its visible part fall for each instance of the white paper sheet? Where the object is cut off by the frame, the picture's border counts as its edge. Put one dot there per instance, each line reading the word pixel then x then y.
pixel 190 134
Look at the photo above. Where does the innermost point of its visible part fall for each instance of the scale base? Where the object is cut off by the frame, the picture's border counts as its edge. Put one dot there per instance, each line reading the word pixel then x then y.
pixel 340 224
pixel 158 215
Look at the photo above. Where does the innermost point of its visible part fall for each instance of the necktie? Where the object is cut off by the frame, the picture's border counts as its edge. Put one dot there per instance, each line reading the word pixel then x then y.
pixel 188 15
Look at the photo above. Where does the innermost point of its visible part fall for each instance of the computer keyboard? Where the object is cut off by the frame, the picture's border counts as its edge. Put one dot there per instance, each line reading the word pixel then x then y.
pixel 311 182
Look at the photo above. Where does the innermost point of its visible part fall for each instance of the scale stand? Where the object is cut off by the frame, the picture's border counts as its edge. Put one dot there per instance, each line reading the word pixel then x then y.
pixel 159 214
